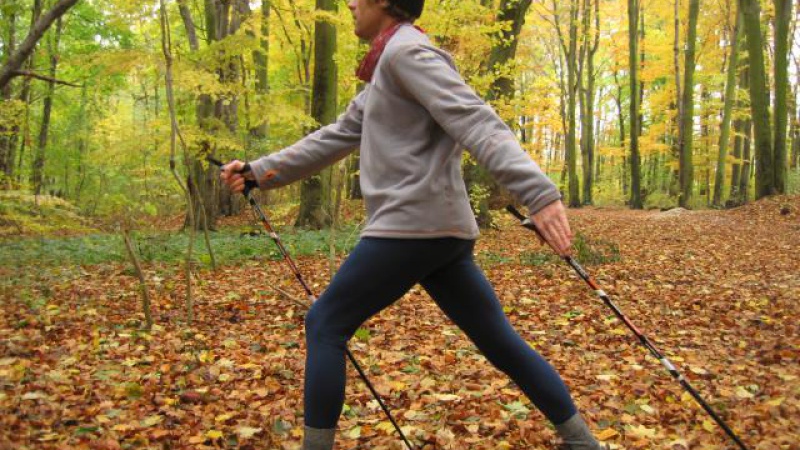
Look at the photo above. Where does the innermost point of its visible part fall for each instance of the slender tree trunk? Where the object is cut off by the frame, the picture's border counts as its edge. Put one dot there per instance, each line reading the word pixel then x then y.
pixel 676 143
pixel 166 44
pixel 502 89
pixel 148 315
pixel 748 159
pixel 738 129
pixel 687 120
pixel 759 100
pixel 783 16
pixel 261 62
pixel 730 99
pixel 39 161
pixel 323 108
pixel 795 133
pixel 741 127
pixel 572 96
pixel 633 65
pixel 201 179
pixel 569 92
pixel 587 116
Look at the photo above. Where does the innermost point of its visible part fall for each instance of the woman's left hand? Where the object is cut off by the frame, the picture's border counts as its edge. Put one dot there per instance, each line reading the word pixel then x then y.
pixel 553 226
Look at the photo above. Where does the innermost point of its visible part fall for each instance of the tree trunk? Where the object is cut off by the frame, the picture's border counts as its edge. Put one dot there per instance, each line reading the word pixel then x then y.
pixel 502 89
pixel 572 94
pixel 633 65
pixel 590 123
pixel 323 109
pixel 686 165
pixel 783 16
pixel 759 100
pixel 39 160
pixel 261 62
pixel 11 67
pixel 730 99
pixel 747 158
pixel 587 99
pixel 8 134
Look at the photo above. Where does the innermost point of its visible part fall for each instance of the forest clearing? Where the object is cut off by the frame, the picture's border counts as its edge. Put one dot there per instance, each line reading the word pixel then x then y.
pixel 716 290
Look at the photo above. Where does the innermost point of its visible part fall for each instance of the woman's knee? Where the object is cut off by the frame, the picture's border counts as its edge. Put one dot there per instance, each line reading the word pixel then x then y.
pixel 321 325
pixel 314 322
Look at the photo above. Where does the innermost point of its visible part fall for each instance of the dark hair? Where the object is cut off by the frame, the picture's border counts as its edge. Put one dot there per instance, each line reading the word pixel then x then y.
pixel 399 13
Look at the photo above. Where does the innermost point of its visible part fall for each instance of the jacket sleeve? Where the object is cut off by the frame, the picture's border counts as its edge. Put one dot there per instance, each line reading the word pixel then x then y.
pixel 428 75
pixel 314 152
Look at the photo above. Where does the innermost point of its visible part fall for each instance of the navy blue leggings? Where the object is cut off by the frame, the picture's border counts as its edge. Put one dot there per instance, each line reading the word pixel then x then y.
pixel 378 272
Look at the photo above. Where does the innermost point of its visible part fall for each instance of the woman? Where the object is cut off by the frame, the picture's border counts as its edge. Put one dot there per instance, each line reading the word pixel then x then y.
pixel 411 123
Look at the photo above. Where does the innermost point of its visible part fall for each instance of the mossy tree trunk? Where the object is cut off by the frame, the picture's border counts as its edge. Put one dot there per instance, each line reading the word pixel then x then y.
pixel 313 192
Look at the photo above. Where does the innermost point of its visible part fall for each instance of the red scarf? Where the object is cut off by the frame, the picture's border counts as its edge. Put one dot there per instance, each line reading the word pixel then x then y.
pixel 370 61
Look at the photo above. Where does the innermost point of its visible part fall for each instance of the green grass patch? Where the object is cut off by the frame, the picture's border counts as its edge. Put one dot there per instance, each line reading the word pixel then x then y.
pixel 586 251
pixel 229 246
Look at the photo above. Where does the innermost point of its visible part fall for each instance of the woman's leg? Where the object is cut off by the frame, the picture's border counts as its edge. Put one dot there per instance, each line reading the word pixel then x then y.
pixel 465 295
pixel 377 272
pixel 462 291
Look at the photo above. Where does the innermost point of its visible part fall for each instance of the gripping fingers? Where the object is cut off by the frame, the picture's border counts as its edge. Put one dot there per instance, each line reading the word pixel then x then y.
pixel 552 223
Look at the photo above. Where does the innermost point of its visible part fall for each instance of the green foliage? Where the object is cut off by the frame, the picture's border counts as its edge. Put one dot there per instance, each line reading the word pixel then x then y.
pixel 793 182
pixel 660 200
pixel 229 247
pixel 24 213
pixel 489 258
pixel 585 250
pixel 608 193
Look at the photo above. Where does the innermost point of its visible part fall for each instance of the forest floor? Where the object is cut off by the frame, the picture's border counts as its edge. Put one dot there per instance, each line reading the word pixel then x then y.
pixel 716 291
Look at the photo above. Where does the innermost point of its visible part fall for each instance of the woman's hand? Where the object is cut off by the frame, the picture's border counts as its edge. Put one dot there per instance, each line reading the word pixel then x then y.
pixel 553 226
pixel 234 175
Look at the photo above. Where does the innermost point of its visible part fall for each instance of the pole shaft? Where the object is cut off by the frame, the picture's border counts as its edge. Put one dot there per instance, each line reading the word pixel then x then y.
pixel 647 343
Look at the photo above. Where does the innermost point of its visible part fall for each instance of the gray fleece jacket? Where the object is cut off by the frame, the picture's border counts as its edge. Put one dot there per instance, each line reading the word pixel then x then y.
pixel 411 124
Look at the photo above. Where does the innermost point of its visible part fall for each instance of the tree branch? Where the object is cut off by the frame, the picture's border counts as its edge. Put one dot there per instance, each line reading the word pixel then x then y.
pixel 38 29
pixel 29 74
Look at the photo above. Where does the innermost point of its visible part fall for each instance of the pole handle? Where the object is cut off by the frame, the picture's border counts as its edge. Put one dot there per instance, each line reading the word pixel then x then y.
pixel 526 222
pixel 249 185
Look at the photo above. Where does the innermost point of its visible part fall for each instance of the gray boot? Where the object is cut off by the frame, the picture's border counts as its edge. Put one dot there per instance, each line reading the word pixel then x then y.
pixel 317 439
pixel 576 435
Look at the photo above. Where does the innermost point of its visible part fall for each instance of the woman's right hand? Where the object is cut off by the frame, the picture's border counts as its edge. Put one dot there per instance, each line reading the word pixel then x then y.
pixel 234 175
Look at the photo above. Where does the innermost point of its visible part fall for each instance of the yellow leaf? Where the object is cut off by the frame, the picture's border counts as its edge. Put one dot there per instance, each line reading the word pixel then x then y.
pixel 122 427
pixel 152 420
pixel 223 417
pixel 641 431
pixel 708 426
pixel 647 408
pixel 48 437
pixel 607 434
pixel 213 434
pixel 354 433
pixel 385 426
pixel 743 393
pixel 247 432
pixel 776 401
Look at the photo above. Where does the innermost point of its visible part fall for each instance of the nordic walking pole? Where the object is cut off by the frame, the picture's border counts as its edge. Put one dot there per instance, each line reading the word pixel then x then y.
pixel 642 338
pixel 249 186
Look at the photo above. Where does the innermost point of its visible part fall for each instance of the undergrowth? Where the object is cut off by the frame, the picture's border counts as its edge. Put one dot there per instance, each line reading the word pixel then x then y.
pixel 229 246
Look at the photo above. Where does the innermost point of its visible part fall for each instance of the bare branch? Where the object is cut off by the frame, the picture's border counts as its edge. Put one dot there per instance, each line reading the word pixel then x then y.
pixel 29 74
